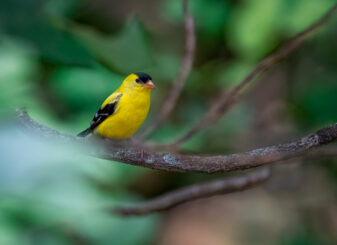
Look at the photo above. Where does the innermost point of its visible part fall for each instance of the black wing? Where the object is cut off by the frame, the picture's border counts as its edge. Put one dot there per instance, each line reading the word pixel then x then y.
pixel 100 116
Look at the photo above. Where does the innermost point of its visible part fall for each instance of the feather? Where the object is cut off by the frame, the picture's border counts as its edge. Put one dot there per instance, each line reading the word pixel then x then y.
pixel 108 110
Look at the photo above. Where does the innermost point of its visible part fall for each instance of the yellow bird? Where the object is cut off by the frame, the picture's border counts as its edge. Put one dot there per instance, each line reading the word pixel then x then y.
pixel 125 110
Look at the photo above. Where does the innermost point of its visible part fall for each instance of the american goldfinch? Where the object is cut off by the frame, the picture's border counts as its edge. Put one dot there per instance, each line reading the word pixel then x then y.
pixel 125 110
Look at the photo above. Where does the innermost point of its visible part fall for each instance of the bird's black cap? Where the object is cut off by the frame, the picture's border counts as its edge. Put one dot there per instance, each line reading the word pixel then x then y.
pixel 143 77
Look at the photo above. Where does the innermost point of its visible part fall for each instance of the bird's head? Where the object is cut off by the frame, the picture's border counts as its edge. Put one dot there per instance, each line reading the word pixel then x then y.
pixel 139 81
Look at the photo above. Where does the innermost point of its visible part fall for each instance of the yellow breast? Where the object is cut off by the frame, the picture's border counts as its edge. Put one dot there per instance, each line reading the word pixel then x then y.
pixel 130 114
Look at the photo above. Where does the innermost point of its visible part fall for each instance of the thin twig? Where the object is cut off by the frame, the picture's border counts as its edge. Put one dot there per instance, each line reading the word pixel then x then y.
pixel 221 186
pixel 224 104
pixel 193 163
pixel 171 100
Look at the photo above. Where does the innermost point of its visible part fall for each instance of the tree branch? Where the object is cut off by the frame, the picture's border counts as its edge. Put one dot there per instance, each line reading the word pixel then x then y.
pixel 193 163
pixel 224 104
pixel 178 83
pixel 215 187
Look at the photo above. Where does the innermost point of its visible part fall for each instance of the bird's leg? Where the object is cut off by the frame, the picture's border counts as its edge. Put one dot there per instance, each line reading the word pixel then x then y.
pixel 107 140
pixel 116 142
pixel 142 154
pixel 134 143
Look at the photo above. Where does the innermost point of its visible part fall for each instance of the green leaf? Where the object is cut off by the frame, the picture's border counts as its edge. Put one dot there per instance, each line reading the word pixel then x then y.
pixel 210 15
pixel 253 27
pixel 84 88
pixel 28 20
pixel 45 187
pixel 126 52
pixel 302 13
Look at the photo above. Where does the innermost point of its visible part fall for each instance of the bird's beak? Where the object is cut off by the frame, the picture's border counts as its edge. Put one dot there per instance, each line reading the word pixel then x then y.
pixel 149 85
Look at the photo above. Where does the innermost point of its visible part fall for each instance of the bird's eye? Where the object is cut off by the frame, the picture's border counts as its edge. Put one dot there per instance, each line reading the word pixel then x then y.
pixel 142 77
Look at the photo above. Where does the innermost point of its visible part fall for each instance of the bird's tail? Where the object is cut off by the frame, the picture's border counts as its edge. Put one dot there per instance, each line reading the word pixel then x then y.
pixel 85 132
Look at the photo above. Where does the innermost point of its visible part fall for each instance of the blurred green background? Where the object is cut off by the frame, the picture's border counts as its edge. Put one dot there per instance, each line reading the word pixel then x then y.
pixel 61 58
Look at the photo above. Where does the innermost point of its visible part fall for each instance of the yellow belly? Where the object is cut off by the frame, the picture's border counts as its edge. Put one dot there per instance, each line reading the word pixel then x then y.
pixel 129 116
